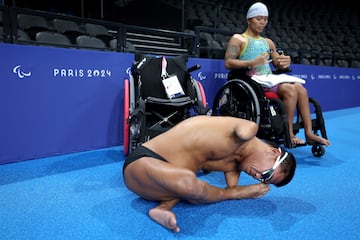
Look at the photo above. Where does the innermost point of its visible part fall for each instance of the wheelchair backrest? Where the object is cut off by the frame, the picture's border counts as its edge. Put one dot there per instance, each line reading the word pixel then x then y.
pixel 147 72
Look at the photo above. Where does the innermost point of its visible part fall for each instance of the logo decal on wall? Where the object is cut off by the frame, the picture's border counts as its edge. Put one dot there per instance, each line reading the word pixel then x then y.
pixel 21 74
pixel 128 71
pixel 201 76
pixel 81 73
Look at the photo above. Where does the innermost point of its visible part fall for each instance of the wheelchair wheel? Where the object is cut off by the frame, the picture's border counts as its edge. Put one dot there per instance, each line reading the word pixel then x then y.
pixel 202 93
pixel 132 124
pixel 318 150
pixel 126 133
pixel 237 99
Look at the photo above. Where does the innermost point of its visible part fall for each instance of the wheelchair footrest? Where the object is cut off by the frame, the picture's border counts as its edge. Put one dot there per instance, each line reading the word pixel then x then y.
pixel 312 143
pixel 300 144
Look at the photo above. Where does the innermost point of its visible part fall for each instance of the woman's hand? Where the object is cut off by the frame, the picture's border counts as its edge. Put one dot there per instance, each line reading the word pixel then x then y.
pixel 262 59
pixel 282 62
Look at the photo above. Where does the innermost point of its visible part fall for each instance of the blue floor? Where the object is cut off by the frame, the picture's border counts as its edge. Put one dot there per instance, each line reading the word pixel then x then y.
pixel 82 196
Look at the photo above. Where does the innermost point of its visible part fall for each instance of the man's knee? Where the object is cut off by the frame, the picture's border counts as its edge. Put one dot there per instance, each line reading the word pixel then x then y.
pixel 190 187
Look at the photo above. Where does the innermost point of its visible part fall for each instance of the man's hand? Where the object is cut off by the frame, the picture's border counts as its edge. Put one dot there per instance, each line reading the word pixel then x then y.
pixel 250 191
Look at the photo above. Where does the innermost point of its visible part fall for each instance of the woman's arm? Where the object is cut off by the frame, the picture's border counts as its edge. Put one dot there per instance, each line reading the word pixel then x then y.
pixel 280 61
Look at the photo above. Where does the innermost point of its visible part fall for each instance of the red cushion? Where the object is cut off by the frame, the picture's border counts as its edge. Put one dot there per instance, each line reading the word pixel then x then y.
pixel 271 95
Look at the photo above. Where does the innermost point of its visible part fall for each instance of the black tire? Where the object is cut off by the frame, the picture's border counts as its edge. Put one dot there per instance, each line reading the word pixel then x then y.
pixel 237 99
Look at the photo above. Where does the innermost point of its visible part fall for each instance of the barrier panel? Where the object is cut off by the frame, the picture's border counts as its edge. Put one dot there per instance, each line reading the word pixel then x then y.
pixel 56 100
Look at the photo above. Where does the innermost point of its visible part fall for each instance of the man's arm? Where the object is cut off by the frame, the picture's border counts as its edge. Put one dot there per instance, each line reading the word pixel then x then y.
pixel 232 179
pixel 245 130
pixel 241 192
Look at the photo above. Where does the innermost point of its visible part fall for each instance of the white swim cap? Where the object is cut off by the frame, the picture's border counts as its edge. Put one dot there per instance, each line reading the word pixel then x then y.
pixel 257 9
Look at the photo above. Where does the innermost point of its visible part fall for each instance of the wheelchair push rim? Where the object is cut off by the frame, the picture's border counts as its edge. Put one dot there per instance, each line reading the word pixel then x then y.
pixel 237 99
pixel 126 134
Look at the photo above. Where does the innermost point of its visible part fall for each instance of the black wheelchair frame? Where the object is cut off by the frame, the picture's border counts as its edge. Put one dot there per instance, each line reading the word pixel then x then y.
pixel 148 111
pixel 242 97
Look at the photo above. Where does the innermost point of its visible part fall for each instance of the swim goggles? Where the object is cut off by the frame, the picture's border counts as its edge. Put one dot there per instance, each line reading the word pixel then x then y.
pixel 268 174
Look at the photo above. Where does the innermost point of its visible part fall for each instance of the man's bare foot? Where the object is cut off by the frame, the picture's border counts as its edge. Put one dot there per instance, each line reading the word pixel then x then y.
pixel 321 140
pixel 298 141
pixel 165 218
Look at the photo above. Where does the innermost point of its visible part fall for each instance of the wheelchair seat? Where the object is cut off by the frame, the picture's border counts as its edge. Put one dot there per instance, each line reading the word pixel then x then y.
pixel 271 95
pixel 149 108
pixel 243 97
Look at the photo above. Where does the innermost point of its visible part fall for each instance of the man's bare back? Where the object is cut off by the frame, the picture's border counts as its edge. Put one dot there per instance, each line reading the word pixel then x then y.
pixel 190 146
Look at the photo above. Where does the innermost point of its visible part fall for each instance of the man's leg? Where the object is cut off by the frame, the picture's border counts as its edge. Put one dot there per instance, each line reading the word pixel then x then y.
pixel 163 216
pixel 160 181
pixel 208 194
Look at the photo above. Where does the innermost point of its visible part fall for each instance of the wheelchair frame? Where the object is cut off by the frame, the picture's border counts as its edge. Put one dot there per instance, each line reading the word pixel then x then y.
pixel 147 116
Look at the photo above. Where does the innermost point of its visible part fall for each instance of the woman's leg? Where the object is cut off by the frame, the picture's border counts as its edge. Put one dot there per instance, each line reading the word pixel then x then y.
pixel 289 96
pixel 304 109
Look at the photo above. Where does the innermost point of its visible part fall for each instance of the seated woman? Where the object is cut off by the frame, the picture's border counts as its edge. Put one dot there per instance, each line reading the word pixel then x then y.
pixel 255 53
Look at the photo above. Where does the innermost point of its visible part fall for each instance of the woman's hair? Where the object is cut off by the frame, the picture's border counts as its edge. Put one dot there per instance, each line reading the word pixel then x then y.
pixel 288 165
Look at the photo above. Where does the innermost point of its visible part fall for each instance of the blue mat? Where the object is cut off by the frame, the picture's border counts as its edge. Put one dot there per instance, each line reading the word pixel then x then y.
pixel 82 196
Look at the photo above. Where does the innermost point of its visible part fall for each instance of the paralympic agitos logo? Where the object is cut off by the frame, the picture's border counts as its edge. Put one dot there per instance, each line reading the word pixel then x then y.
pixel 20 72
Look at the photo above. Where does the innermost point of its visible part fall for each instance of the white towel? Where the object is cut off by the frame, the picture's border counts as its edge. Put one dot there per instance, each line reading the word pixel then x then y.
pixel 274 79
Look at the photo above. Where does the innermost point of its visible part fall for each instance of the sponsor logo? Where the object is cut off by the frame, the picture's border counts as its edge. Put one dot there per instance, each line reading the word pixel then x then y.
pixel 324 76
pixel 302 76
pixel 20 73
pixel 344 77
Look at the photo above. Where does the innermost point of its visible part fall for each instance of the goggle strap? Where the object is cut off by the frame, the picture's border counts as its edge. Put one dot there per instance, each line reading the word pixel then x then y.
pixel 280 159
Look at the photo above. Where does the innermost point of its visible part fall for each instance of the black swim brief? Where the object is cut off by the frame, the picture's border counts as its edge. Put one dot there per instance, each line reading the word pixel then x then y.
pixel 140 152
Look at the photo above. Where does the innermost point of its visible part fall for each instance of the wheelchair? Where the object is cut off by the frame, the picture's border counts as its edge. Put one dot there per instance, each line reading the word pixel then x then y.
pixel 243 97
pixel 149 110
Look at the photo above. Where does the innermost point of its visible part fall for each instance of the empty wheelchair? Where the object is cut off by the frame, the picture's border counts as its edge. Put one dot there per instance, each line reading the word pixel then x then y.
pixel 242 97
pixel 159 93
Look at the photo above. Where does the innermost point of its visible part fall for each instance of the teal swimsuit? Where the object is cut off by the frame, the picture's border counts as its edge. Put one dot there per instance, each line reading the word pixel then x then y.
pixel 253 48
